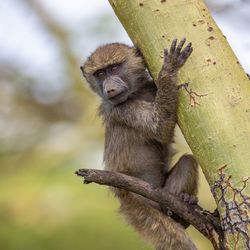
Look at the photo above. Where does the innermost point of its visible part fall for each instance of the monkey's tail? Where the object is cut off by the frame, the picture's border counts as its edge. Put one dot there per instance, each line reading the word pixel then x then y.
pixel 154 226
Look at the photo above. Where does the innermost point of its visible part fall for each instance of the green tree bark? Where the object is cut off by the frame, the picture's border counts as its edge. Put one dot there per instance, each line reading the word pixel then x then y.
pixel 215 125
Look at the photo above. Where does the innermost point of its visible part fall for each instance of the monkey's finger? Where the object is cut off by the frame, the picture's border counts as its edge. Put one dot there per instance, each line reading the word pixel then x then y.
pixel 165 52
pixel 187 51
pixel 173 45
pixel 187 54
pixel 184 55
pixel 179 47
pixel 165 55
pixel 187 48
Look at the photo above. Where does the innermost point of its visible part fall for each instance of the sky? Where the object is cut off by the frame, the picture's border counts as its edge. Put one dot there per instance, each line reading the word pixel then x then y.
pixel 22 37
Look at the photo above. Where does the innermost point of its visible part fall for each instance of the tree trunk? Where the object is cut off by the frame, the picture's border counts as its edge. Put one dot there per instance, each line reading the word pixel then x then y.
pixel 214 115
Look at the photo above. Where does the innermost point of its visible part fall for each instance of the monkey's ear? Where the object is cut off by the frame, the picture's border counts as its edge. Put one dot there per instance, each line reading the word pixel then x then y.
pixel 138 52
pixel 82 69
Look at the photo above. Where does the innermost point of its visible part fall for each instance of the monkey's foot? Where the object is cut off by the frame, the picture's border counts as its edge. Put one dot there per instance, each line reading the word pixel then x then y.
pixel 190 199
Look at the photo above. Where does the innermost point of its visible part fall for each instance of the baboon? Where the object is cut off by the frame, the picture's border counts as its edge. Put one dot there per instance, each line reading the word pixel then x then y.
pixel 139 116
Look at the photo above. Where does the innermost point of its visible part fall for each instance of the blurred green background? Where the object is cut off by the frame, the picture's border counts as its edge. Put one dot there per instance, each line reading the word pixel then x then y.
pixel 49 125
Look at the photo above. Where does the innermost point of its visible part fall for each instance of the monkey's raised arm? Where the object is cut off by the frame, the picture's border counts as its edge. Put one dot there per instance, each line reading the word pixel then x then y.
pixel 157 119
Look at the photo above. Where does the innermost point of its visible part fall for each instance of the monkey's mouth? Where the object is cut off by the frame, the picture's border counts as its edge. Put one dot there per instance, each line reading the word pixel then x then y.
pixel 122 97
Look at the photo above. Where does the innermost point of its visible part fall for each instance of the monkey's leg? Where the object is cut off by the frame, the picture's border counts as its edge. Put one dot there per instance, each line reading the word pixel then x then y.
pixel 182 181
pixel 159 229
pixel 183 177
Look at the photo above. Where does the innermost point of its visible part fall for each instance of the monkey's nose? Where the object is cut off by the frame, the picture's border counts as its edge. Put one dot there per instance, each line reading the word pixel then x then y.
pixel 111 90
pixel 112 93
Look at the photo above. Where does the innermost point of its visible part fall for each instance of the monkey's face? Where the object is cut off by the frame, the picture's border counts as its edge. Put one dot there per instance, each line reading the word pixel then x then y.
pixel 114 72
pixel 112 82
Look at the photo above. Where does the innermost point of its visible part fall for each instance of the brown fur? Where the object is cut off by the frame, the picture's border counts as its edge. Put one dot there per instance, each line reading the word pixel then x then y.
pixel 138 133
pixel 110 54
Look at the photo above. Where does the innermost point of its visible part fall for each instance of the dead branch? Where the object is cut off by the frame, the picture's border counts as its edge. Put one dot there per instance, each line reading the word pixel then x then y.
pixel 202 220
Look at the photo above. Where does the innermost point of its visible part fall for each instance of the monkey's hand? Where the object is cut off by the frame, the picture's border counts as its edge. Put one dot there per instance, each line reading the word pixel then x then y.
pixel 176 57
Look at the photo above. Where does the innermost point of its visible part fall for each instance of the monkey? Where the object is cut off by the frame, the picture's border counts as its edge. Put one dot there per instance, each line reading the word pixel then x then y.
pixel 139 116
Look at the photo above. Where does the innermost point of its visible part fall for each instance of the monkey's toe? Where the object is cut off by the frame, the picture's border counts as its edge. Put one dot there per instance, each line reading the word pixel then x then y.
pixel 167 212
pixel 190 199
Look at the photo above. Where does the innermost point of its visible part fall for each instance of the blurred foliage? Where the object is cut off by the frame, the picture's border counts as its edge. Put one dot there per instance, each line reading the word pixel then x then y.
pixel 49 209
pixel 49 128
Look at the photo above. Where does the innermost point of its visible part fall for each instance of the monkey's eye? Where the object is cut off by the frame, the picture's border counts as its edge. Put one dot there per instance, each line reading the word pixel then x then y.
pixel 114 67
pixel 100 73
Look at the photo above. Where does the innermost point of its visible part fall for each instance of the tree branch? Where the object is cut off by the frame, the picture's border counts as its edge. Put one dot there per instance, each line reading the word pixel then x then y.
pixel 202 220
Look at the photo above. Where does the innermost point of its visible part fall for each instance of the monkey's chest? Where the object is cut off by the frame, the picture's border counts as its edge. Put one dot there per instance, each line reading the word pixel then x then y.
pixel 129 152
